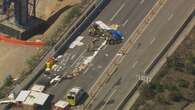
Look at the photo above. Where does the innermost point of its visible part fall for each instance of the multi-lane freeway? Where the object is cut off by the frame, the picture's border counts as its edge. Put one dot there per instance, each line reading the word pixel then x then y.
pixel 127 14
pixel 161 30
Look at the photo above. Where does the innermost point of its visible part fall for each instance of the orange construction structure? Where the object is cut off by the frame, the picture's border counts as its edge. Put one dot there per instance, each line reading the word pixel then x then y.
pixel 21 42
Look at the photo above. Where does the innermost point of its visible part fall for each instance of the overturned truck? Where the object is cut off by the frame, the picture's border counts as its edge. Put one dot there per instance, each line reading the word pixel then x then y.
pixel 99 29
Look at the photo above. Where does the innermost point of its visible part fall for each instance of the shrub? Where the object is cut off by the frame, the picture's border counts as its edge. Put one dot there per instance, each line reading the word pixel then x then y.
pixel 175 96
pixel 193 86
pixel 8 81
pixel 33 61
pixel 183 83
pixel 156 87
pixel 146 92
pixel 191 58
pixel 190 68
pixel 162 99
pixel 175 62
pixel 171 87
pixel 2 94
pixel 75 11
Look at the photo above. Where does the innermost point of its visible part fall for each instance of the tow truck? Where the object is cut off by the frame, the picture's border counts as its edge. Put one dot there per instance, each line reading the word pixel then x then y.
pixel 99 29
pixel 49 64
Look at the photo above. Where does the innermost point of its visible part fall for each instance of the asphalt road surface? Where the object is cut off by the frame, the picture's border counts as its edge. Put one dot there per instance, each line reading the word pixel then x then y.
pixel 144 51
pixel 127 14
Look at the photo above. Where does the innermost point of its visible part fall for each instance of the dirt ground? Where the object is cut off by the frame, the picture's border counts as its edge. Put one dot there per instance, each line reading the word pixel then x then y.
pixel 46 8
pixel 190 107
pixel 13 59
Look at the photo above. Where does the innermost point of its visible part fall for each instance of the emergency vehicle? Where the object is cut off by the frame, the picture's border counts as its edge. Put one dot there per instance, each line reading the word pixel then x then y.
pixel 75 95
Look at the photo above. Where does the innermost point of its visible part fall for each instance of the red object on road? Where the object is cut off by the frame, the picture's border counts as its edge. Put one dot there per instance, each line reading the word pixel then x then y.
pixel 21 42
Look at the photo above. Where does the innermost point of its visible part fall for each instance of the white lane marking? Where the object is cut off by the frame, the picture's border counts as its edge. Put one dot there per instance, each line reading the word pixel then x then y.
pixel 79 62
pixel 121 7
pixel 103 48
pixel 133 66
pixel 108 99
pixel 142 1
pixel 125 22
pixel 119 54
pixel 170 17
pixel 66 59
pixel 78 58
pixel 155 57
pixel 77 42
pixel 63 58
pixel 152 41
pixel 72 57
pixel 106 55
pixel 86 70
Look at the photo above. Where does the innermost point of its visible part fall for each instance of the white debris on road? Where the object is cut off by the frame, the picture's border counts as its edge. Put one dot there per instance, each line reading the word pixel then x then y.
pixel 56 68
pixel 59 57
pixel 77 42
pixel 90 58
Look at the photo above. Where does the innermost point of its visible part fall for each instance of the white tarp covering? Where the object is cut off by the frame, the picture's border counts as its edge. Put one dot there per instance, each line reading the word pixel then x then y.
pixel 22 96
pixel 77 42
pixel 36 98
pixel 103 25
pixel 61 104
pixel 38 88
pixel 32 97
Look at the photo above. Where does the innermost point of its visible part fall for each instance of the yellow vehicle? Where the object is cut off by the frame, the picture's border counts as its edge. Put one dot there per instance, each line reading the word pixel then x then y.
pixel 49 64
pixel 74 96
